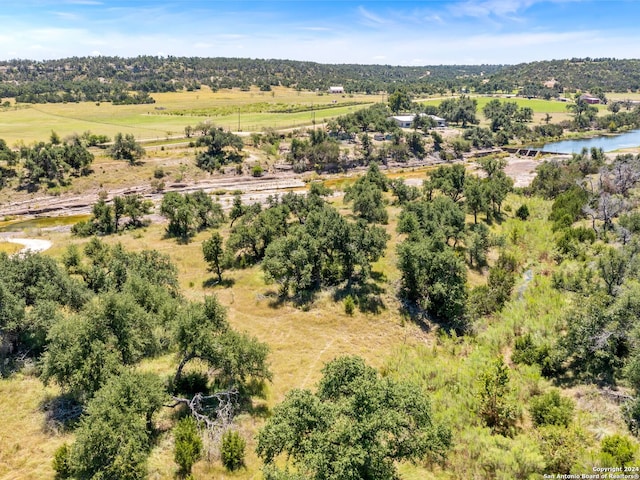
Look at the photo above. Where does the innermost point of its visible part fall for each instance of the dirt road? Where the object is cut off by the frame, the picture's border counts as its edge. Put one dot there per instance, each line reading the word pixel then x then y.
pixel 252 190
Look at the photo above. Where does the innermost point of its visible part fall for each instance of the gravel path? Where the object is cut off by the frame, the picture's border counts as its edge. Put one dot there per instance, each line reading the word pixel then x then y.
pixel 31 244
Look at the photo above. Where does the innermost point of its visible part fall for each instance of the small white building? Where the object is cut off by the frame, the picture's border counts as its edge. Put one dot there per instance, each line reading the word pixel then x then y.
pixel 406 121
pixel 336 89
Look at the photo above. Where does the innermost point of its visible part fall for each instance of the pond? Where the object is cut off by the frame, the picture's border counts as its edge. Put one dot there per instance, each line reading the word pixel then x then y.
pixel 607 143
pixel 41 222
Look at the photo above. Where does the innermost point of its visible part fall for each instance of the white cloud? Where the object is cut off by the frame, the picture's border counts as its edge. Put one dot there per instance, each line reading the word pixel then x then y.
pixel 82 2
pixel 486 8
pixel 67 16
pixel 315 29
pixel 370 18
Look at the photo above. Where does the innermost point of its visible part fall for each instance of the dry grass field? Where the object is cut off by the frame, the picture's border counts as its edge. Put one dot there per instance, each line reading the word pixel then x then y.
pixel 301 342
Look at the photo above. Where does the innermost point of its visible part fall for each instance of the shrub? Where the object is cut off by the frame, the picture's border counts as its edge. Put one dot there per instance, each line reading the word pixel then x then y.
pixel 551 409
pixel 257 171
pixel 349 305
pixel 522 212
pixel 157 185
pixel 83 228
pixel 481 302
pixel 549 359
pixel 188 444
pixel 62 461
pixel 525 350
pixel 158 172
pixel 560 447
pixel 617 451
pixel 232 451
pixel 497 407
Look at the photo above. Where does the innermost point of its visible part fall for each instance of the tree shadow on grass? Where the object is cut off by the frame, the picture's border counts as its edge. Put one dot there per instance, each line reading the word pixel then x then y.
pixel 367 295
pixel 411 313
pixel 61 413
pixel 214 282
pixel 302 300
pixel 429 322
pixel 180 239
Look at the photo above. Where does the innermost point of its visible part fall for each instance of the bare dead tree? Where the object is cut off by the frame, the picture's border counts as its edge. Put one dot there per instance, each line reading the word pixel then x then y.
pixel 625 173
pixel 214 422
pixel 609 207
pixel 605 208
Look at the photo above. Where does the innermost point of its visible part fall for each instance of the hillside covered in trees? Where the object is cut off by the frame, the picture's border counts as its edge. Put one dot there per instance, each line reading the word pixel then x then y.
pixel 109 78
pixel 131 80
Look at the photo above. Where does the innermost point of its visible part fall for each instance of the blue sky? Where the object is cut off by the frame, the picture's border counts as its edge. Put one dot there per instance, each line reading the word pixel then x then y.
pixel 427 32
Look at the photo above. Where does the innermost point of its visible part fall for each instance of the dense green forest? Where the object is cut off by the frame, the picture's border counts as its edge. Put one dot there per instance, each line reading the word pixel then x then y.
pixel 109 78
pixel 586 74
pixel 114 79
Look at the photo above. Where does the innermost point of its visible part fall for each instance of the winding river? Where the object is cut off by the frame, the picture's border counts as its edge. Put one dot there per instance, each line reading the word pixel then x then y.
pixel 607 143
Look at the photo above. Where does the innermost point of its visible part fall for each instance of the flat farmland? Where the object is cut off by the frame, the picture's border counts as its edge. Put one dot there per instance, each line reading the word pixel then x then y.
pixel 555 108
pixel 251 110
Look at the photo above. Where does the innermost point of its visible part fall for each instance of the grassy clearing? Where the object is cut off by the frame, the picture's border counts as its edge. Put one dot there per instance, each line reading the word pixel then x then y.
pixel 538 105
pixel 9 248
pixel 301 341
pixel 26 444
pixel 155 121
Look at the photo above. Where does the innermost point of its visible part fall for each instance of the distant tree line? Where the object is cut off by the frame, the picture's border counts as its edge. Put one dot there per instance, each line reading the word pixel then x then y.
pixel 106 78
pixel 112 78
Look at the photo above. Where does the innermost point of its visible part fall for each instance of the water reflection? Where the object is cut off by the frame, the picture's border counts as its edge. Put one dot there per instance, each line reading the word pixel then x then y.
pixel 608 144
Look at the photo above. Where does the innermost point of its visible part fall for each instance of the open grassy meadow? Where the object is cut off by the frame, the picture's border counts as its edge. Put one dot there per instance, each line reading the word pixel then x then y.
pixel 234 110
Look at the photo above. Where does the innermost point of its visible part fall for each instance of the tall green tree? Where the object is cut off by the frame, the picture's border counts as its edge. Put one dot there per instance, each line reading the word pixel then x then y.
pixel 366 195
pixel 214 254
pixel 190 213
pixel 125 147
pixel 461 110
pixel 434 280
pixel 203 332
pixel 399 101
pixel 115 434
pixel 497 408
pixel 474 196
pixel 357 425
pixel 222 148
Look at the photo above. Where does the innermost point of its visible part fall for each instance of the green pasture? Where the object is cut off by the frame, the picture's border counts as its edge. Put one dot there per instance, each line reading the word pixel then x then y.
pixel 235 110
pixel 538 105
pixel 172 112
